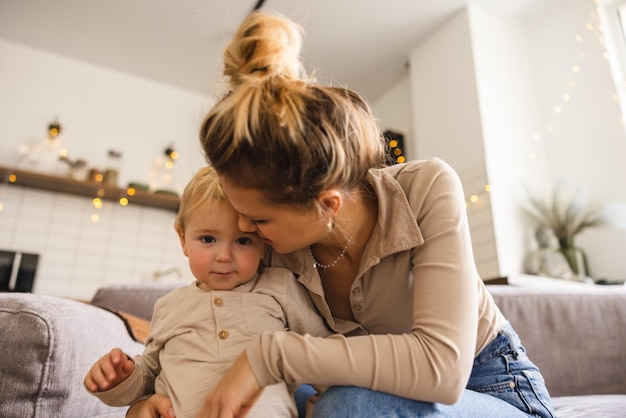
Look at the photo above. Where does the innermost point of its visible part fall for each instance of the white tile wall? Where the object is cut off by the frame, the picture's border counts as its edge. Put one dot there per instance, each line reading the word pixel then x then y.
pixel 127 244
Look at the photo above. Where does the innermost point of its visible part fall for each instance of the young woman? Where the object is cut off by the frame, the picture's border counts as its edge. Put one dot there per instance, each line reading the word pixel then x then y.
pixel 384 252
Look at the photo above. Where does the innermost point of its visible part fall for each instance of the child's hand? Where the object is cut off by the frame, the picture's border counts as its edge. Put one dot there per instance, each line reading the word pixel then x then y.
pixel 109 371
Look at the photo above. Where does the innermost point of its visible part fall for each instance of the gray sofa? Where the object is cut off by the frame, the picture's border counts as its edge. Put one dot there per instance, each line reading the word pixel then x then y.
pixel 47 344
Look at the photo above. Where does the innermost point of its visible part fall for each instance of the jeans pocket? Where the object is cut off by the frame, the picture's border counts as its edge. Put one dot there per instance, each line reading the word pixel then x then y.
pixel 533 390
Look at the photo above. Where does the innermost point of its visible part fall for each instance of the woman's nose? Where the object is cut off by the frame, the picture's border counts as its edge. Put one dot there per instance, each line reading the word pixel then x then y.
pixel 246 225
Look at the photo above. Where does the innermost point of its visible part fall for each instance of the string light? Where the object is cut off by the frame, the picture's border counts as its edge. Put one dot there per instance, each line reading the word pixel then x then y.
pixel 593 26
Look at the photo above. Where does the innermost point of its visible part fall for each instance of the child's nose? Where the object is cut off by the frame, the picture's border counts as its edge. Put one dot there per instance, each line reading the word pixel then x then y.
pixel 224 253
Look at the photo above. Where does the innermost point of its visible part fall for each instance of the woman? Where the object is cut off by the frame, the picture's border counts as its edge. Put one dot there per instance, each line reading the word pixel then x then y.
pixel 385 253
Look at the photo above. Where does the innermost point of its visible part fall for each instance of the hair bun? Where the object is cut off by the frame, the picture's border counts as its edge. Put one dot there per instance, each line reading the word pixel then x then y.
pixel 265 45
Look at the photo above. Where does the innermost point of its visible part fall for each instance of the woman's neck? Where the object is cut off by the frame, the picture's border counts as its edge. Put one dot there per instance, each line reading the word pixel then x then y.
pixel 353 227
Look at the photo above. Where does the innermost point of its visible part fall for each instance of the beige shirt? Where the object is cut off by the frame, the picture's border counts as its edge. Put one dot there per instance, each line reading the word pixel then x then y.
pixel 196 335
pixel 422 311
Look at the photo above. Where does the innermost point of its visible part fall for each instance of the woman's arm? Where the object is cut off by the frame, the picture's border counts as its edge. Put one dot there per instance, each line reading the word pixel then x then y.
pixel 431 360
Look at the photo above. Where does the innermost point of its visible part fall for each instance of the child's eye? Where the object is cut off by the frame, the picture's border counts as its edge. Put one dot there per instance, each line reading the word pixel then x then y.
pixel 243 241
pixel 208 239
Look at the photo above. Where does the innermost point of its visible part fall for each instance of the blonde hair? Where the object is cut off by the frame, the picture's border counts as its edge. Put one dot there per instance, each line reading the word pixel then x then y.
pixel 280 132
pixel 202 188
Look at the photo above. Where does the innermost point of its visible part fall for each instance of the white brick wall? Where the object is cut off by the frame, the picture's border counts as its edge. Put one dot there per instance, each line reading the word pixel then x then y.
pixel 127 244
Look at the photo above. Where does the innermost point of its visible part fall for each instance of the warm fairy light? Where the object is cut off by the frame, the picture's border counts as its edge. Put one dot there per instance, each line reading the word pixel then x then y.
pixel 474 198
pixel 566 97
pixel 123 201
pixel 99 177
pixel 466 205
pixel 63 152
pixel 130 191
pixel 575 69
pixel 97 203
pixel 1 206
pixel 557 109
pixel 488 188
pixel 393 143
pixel 401 159
pixel 94 217
pixel 169 165
pixel 589 26
pixel 536 136
pixel 100 192
pixel 12 178
pixel 579 38
pixel 174 155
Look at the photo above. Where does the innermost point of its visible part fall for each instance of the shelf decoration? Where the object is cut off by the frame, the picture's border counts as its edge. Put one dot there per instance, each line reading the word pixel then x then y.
pixel 395 147
pixel 161 177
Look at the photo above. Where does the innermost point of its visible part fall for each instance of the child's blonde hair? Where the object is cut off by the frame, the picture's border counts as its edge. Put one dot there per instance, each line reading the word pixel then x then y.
pixel 277 130
pixel 202 188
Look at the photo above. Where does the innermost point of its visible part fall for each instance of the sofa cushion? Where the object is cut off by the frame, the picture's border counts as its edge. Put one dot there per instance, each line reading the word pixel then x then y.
pixel 575 336
pixel 48 344
pixel 134 299
pixel 590 406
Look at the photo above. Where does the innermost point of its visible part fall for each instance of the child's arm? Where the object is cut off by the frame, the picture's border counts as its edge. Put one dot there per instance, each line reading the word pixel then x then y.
pixel 109 371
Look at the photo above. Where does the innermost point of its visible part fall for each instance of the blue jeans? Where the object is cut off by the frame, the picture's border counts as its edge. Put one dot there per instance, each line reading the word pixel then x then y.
pixel 503 383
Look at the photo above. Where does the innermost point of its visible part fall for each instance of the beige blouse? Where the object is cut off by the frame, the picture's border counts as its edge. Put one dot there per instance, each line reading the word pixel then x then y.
pixel 422 311
pixel 197 334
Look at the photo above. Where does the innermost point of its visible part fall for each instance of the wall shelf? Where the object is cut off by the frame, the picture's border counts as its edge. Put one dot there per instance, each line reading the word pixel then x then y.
pixel 72 186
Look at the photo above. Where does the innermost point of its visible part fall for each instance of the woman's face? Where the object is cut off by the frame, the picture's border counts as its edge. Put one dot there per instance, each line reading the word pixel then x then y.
pixel 285 228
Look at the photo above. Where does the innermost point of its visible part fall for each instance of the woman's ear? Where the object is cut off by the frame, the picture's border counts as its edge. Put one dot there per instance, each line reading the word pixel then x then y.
pixel 330 201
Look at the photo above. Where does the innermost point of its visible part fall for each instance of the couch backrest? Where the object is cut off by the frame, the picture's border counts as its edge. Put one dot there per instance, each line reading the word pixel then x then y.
pixel 135 299
pixel 576 337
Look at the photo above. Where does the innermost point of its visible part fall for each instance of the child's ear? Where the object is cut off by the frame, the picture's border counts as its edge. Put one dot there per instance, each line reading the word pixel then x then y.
pixel 181 236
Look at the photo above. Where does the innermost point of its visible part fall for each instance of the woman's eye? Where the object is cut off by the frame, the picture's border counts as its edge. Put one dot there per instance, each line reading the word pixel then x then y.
pixel 208 239
pixel 259 222
pixel 243 241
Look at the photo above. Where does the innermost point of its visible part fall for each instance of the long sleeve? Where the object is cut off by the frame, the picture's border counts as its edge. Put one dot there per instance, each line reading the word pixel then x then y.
pixel 141 381
pixel 419 299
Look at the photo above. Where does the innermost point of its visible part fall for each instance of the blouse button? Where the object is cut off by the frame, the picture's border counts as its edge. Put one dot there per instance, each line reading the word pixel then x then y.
pixel 218 302
pixel 357 307
pixel 223 334
pixel 356 291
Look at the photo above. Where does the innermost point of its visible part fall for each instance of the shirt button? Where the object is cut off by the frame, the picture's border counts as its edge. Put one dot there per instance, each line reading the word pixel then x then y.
pixel 356 291
pixel 357 307
pixel 223 334
pixel 218 302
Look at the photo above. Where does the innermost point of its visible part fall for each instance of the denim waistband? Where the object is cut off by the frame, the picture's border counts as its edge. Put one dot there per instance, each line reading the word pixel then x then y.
pixel 507 341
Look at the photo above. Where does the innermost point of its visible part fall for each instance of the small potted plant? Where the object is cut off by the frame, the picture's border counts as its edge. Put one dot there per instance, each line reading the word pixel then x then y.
pixel 567 217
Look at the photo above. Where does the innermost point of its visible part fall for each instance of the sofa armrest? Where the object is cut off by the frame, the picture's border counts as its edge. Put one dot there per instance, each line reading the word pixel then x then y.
pixel 135 299
pixel 48 344
pixel 575 336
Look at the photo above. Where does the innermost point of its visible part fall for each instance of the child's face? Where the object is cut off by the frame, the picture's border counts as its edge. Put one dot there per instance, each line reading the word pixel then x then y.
pixel 220 255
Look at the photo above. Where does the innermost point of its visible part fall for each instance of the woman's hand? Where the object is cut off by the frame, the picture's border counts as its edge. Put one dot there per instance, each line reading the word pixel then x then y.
pixel 156 406
pixel 235 394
